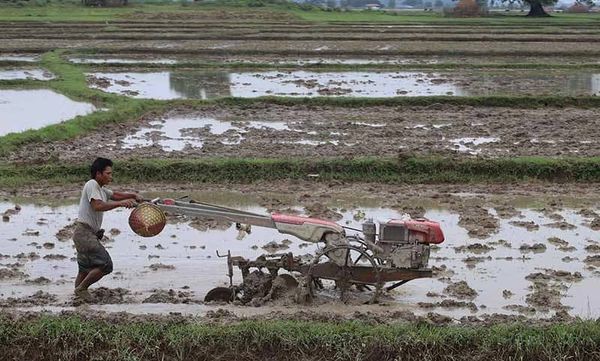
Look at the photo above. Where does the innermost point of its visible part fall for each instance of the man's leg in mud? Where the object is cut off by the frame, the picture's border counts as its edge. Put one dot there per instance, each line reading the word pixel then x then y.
pixel 92 277
pixel 80 277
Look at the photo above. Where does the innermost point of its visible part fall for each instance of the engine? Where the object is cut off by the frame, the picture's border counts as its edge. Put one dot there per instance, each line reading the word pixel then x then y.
pixel 403 243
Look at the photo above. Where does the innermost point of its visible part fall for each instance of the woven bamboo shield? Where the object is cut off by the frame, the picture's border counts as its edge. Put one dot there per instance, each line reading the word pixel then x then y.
pixel 147 220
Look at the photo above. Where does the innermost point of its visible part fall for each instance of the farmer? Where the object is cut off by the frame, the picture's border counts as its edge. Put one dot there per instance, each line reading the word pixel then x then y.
pixel 93 260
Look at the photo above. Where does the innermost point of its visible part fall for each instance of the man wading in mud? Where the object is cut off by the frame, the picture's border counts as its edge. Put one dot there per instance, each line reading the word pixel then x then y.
pixel 93 260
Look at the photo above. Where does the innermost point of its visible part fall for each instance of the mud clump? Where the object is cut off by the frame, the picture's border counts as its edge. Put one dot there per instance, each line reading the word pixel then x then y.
pixel 546 288
pixel 502 242
pixel 553 275
pixel 39 281
pixel 319 210
pixel 160 266
pixel 475 248
pixel 170 296
pixel 535 248
pixel 529 225
pixel 477 221
pixel 31 232
pixel 437 319
pixel 473 261
pixel 283 285
pixel 544 298
pixel 204 224
pixel 98 82
pixel 521 309
pixel 558 242
pixel 593 248
pixel 39 298
pixel 507 294
pixel 595 224
pixel 442 271
pixel 561 225
pixel 32 256
pixel 450 304
pixel 54 257
pixel 460 290
pixel 274 247
pixel 104 295
pixel 7 273
pixel 507 211
pixel 593 260
pixel 255 287
pixel 66 233
pixel 221 314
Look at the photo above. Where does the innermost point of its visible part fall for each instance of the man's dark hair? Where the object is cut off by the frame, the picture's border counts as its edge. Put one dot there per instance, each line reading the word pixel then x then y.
pixel 100 165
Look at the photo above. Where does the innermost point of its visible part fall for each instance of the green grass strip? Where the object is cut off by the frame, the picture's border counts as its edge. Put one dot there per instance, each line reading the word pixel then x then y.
pixel 380 170
pixel 66 338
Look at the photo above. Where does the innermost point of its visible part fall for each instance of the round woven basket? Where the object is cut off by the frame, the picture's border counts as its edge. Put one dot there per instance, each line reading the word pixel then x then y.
pixel 147 220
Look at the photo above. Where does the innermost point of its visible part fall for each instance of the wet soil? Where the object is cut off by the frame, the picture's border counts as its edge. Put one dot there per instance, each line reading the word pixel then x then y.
pixel 302 47
pixel 461 290
pixel 474 258
pixel 171 296
pixel 339 134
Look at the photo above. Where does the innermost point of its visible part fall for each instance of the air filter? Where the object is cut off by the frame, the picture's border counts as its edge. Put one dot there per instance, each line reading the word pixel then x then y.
pixel 147 220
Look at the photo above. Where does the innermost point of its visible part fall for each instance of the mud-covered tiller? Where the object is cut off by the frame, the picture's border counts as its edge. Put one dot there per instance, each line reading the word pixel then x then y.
pixel 388 253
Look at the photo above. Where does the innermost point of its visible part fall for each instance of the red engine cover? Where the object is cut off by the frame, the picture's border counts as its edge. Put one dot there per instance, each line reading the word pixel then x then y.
pixel 424 230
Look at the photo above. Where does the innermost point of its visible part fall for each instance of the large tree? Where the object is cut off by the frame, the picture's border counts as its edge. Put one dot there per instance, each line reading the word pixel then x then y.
pixel 536 7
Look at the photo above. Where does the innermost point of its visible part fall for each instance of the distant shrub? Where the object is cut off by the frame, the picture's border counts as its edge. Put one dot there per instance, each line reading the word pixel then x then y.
pixel 464 8
pixel 306 7
pixel 578 8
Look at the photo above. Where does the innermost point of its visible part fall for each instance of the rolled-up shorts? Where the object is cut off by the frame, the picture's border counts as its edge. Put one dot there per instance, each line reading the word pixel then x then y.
pixel 90 252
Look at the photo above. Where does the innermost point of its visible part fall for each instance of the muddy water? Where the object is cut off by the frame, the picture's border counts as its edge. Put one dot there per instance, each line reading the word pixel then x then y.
pixel 110 60
pixel 17 57
pixel 184 256
pixel 17 113
pixel 170 85
pixel 33 74
pixel 188 84
pixel 124 58
pixel 178 133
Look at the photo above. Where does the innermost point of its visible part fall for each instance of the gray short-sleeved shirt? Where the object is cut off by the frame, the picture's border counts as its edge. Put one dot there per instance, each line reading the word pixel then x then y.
pixel 87 214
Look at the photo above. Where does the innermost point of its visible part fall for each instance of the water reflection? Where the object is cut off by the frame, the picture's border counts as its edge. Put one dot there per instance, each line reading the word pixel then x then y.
pixel 32 109
pixel 31 74
pixel 207 85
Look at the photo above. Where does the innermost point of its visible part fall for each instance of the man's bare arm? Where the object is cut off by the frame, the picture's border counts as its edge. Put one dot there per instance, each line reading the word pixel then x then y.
pixel 119 196
pixel 100 206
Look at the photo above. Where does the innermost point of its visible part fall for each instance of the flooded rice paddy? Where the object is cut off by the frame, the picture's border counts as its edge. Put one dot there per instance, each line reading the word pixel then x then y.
pixel 330 131
pixel 32 74
pixel 21 110
pixel 19 58
pixel 530 261
pixel 171 85
pixel 124 58
pixel 207 85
